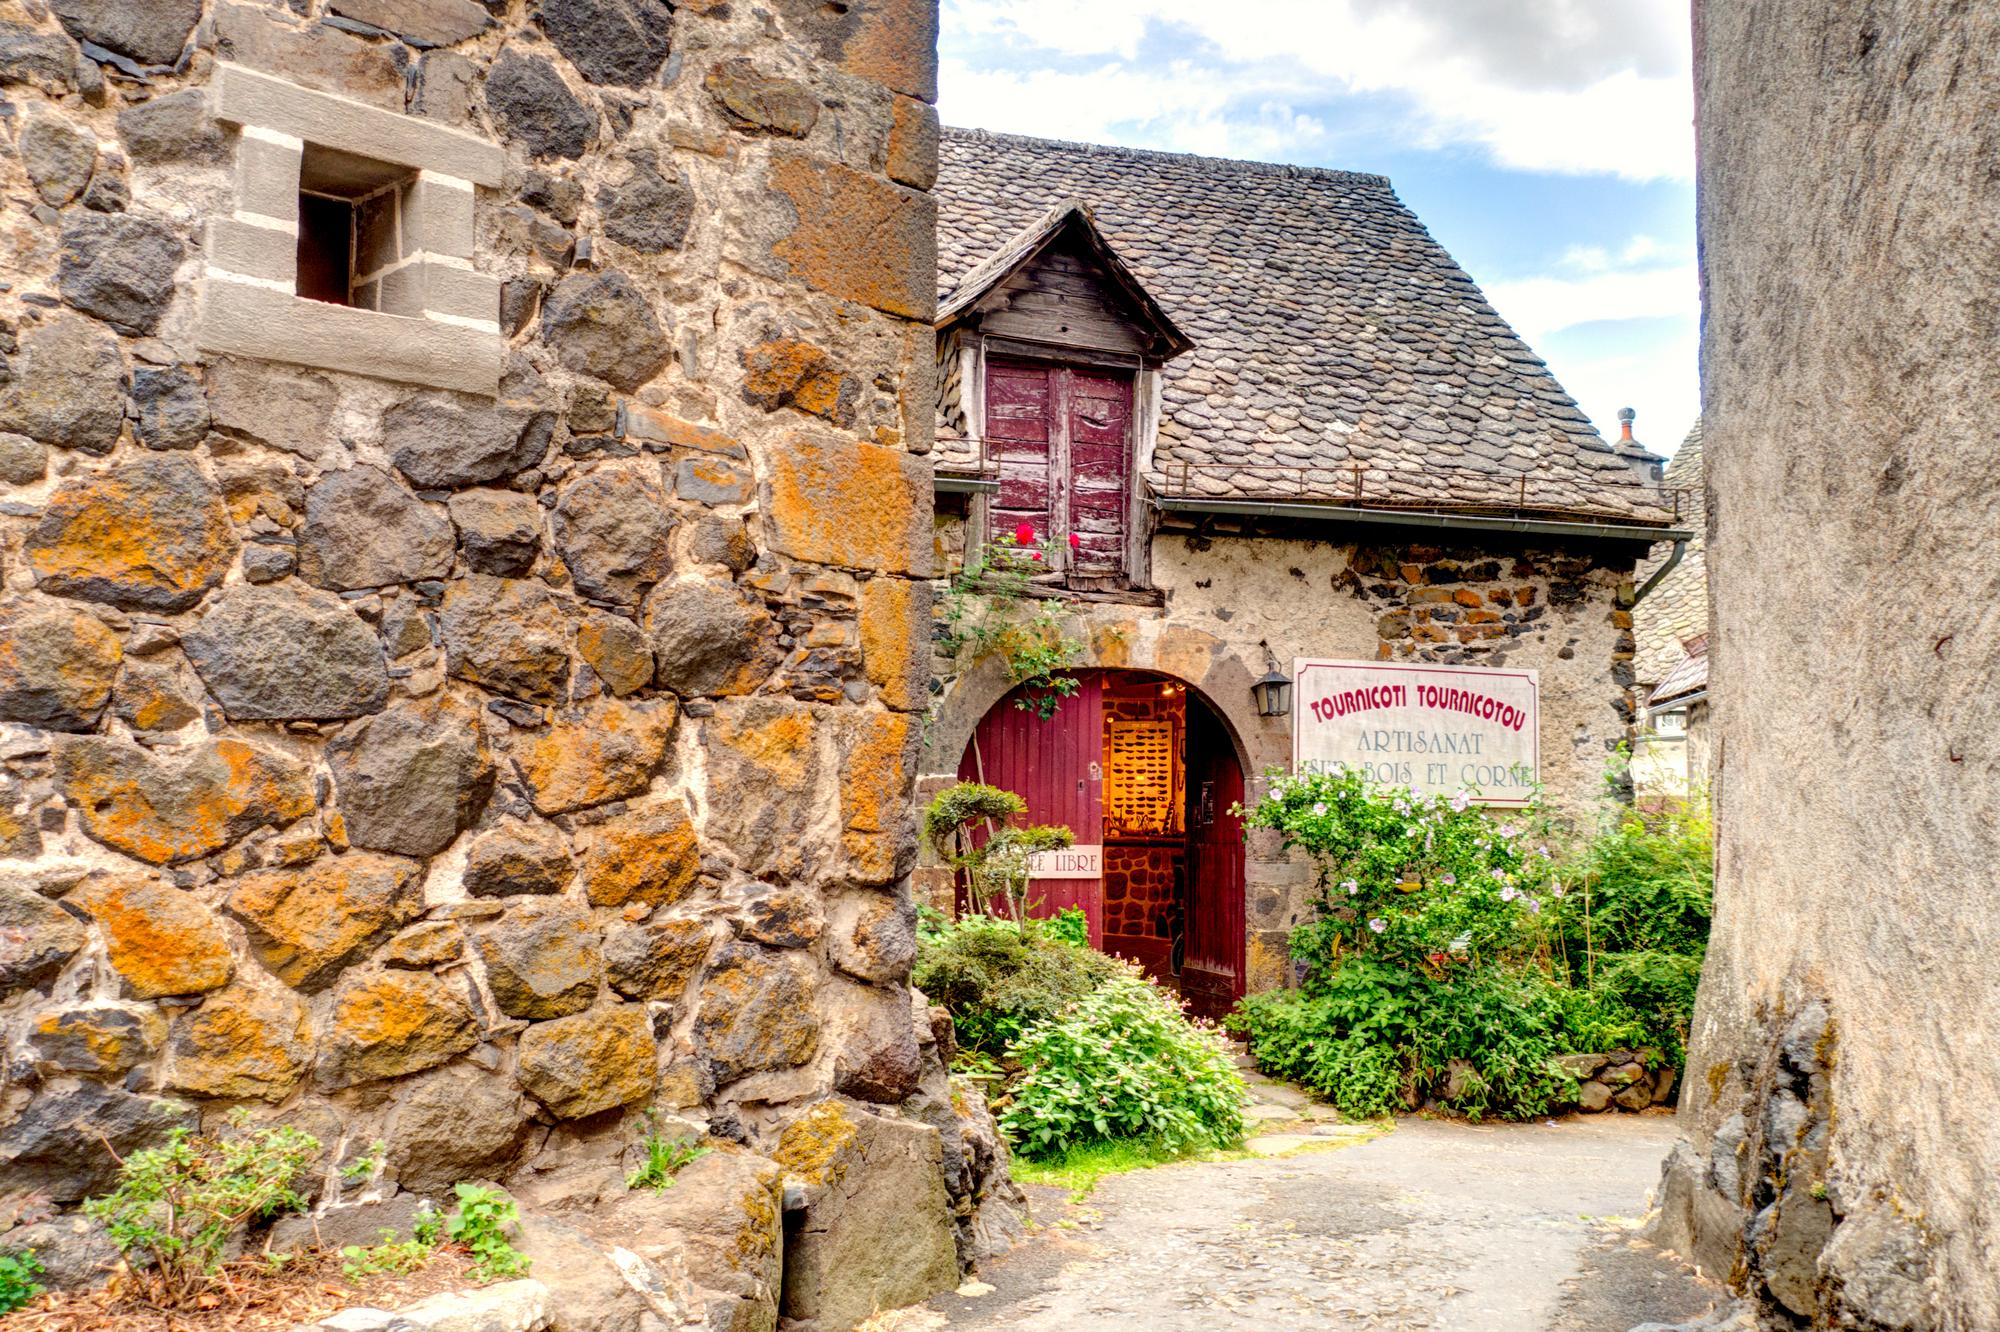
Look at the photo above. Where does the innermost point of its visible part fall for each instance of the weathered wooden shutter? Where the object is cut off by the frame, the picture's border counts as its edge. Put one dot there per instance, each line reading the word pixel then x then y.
pixel 1061 440
pixel 1020 432
pixel 1100 432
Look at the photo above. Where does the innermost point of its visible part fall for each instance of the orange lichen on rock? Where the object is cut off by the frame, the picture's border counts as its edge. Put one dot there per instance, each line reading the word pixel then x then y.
pixel 650 856
pixel 854 505
pixel 858 237
pixel 606 751
pixel 160 940
pixel 164 807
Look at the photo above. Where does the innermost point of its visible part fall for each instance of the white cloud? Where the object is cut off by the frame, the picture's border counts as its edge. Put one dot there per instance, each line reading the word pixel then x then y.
pixel 1575 86
pixel 1540 306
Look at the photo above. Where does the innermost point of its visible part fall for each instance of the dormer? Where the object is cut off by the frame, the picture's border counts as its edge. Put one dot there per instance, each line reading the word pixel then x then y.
pixel 1050 354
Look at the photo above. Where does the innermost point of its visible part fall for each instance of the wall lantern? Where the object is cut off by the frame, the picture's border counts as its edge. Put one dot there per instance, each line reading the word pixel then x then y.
pixel 1273 693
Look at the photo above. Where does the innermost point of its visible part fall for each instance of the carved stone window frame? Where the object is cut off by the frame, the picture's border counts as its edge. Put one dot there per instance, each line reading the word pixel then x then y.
pixel 449 335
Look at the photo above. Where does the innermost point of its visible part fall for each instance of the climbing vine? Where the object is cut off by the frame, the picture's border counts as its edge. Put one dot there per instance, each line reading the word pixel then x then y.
pixel 990 610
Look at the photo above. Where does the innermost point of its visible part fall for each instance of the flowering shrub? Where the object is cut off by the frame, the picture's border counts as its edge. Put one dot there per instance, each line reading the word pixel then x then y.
pixel 1123 1063
pixel 1455 950
pixel 988 611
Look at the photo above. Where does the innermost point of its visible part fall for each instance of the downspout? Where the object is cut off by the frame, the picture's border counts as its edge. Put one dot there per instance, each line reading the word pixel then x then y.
pixel 1673 558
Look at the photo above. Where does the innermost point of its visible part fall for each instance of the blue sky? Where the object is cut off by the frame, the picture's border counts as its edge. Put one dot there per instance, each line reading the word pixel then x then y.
pixel 1546 143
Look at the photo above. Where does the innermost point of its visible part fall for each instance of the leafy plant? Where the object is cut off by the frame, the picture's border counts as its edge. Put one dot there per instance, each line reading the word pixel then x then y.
pixel 989 610
pixel 997 866
pixel 479 1224
pixel 1123 1062
pixel 17 1279
pixel 178 1204
pixel 1069 925
pixel 665 1157
pixel 389 1257
pixel 363 1166
pixel 998 977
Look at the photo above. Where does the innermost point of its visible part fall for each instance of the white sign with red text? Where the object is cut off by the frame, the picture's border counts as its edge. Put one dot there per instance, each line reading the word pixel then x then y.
pixel 1071 862
pixel 1436 729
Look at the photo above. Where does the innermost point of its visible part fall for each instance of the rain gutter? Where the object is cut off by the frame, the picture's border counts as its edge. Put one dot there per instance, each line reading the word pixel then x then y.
pixel 1415 518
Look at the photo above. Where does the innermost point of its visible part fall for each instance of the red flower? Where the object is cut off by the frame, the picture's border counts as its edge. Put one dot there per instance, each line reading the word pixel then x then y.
pixel 1024 534
pixel 1074 542
pixel 1034 554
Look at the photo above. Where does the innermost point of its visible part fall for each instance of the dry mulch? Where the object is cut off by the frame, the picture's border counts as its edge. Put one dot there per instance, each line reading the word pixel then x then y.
pixel 256 1299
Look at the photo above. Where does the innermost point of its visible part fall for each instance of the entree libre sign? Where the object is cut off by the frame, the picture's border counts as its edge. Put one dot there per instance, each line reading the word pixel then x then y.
pixel 1439 729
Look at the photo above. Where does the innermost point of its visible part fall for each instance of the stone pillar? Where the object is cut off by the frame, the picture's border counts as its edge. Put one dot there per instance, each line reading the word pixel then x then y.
pixel 500 692
pixel 1839 1145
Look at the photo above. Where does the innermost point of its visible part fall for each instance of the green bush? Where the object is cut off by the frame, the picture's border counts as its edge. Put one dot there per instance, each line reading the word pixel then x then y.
pixel 996 978
pixel 1454 950
pixel 1123 1063
pixel 17 1279
pixel 479 1224
pixel 177 1205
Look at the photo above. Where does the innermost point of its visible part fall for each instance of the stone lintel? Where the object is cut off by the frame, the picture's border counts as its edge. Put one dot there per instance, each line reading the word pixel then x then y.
pixel 249 320
pixel 245 97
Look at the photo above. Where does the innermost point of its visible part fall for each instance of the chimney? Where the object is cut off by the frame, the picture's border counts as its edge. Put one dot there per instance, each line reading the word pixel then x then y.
pixel 1625 418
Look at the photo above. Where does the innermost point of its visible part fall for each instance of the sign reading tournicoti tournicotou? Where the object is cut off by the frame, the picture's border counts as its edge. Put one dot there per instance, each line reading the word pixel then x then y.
pixel 1439 729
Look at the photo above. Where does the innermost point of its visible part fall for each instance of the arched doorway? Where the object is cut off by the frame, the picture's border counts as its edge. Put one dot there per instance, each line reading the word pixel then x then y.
pixel 1141 768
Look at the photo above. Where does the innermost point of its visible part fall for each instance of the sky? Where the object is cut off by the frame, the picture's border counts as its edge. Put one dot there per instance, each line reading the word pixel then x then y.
pixel 1548 144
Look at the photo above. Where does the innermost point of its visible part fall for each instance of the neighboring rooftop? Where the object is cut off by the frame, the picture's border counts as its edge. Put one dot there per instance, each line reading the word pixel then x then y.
pixel 1675 612
pixel 1339 352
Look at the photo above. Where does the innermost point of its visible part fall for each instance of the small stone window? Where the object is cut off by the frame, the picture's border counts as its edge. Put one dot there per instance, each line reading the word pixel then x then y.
pixel 351 243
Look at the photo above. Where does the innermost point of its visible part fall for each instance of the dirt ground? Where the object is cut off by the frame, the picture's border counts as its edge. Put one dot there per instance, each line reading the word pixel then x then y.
pixel 1439 1225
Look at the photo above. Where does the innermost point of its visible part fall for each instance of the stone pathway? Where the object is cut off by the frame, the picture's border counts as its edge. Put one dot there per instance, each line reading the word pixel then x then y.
pixel 1430 1225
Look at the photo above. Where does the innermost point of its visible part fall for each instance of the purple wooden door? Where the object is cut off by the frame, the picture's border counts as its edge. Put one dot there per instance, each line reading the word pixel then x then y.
pixel 1212 971
pixel 1056 766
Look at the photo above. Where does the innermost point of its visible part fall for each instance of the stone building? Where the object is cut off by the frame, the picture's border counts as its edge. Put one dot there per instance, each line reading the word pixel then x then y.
pixel 1670 752
pixel 1258 415
pixel 463 536
pixel 1840 1141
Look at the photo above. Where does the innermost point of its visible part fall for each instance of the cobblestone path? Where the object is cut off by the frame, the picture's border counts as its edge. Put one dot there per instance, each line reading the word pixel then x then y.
pixel 1432 1225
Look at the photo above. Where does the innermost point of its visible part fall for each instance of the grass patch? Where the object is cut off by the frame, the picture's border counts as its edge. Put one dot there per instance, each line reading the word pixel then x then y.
pixel 1079 1169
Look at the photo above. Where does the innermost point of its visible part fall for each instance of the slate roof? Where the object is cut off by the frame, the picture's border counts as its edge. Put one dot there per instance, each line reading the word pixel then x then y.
pixel 1688 677
pixel 1331 332
pixel 1677 610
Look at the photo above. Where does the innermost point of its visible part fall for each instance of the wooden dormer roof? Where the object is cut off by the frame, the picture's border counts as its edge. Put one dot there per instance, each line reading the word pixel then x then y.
pixel 1069 228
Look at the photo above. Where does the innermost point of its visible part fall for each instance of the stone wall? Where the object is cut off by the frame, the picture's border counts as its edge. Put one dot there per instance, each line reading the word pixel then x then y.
pixel 1840 1149
pixel 388 758
pixel 1562 611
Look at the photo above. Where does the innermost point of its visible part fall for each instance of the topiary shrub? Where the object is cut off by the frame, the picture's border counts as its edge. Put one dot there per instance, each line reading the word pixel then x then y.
pixel 996 978
pixel 1123 1063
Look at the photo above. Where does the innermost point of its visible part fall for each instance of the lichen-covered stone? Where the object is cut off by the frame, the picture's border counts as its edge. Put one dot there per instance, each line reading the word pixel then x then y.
pixel 709 638
pixel 606 751
pixel 151 535
pixel 764 775
pixel 244 1041
pixel 542 959
pixel 66 385
pixel 306 925
pixel 878 822
pixel 601 324
pixel 762 103
pixel 518 859
pixel 533 105
pixel 151 33
pixel 857 236
pixel 580 1065
pixel 455 1124
pixel 427 944
pixel 718 539
pixel 442 440
pixel 873 936
pixel 316 55
pixel 165 806
pixel 892 42
pixel 656 960
pixel 95 1039
pixel 389 1023
pixel 786 918
pixel 759 1010
pixel 620 42
pixel 119 267
pixel 286 652
pixel 412 778
pixel 790 372
pixel 858 506
pixel 615 532
pixel 913 144
pixel 895 618
pixel 364 529
pixel 430 22
pixel 57 665
pixel 649 856
pixel 500 531
pixel 647 211
pixel 37 939
pixel 170 406
pixel 509 634
pixel 616 650
pixel 713 481
pixel 67 1144
pixel 159 939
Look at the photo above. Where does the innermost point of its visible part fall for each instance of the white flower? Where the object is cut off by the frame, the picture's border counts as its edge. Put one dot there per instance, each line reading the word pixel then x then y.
pixel 1460 801
pixel 1509 830
pixel 1320 809
pixel 1378 924
pixel 1534 906
pixel 1558 890
pixel 1499 873
pixel 1509 893
pixel 1352 887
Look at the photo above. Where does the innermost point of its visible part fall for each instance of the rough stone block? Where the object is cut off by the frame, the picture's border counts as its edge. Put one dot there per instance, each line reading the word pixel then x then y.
pixel 606 751
pixel 284 652
pixel 857 236
pixel 160 940
pixel 649 857
pixel 859 506
pixel 171 806
pixel 387 1024
pixel 306 925
pixel 243 1042
pixel 151 535
pixel 577 1066
pixel 57 665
